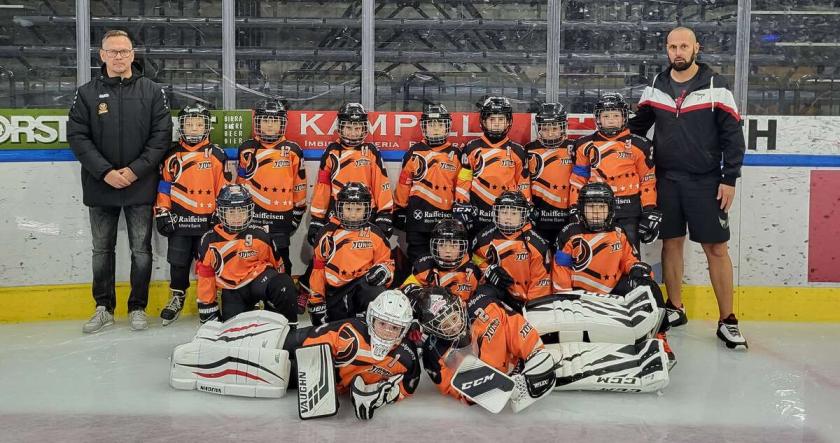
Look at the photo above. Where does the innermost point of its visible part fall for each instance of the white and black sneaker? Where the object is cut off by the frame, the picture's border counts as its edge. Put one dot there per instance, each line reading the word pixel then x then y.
pixel 676 316
pixel 173 308
pixel 729 332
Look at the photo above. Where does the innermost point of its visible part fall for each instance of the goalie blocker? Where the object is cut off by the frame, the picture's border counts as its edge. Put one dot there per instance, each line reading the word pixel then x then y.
pixel 241 357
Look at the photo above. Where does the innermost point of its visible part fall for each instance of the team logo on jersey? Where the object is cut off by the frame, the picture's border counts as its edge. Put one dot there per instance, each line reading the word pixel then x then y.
pixel 102 108
pixel 447 166
pixel 479 166
pixel 204 165
pixel 327 247
pixel 422 167
pixel 582 254
pixel 173 167
pixel 521 256
pixel 249 157
pixel 491 330
pixel 507 163
pixel 382 371
pixel 217 261
pixel 282 164
pixel 418 214
pixel 526 328
pixel 362 163
pixel 539 163
pixel 593 154
pixel 347 347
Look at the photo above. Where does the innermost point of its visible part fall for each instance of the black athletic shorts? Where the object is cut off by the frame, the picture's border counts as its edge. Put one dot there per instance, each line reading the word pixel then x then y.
pixel 691 200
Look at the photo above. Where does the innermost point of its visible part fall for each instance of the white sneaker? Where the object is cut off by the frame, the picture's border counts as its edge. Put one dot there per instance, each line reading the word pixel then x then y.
pixel 137 319
pixel 730 333
pixel 101 318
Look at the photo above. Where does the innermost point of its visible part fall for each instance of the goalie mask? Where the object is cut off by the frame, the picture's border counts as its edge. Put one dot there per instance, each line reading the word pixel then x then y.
pixel 551 124
pixel 597 206
pixel 496 117
pixel 442 314
pixel 352 205
pixel 234 208
pixel 449 243
pixel 435 123
pixel 193 124
pixel 269 121
pixel 609 108
pixel 352 124
pixel 510 212
pixel 388 318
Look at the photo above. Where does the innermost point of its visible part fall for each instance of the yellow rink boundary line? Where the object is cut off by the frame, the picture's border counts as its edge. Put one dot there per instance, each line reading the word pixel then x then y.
pixel 68 302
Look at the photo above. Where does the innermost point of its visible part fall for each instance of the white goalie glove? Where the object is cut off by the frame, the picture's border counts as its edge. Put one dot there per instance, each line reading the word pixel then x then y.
pixel 367 398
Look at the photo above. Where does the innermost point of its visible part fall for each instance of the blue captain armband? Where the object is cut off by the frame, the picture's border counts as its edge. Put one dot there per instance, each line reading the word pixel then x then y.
pixel 582 171
pixel 563 259
pixel 165 187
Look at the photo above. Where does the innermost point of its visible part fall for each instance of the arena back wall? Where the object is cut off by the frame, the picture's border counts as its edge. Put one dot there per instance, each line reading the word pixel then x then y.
pixel 785 234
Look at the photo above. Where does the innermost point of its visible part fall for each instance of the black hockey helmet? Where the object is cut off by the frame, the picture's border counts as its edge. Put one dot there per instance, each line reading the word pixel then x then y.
pixel 442 314
pixel 269 110
pixel 449 232
pixel 196 110
pixel 551 115
pixel 435 113
pixel 506 202
pixel 611 101
pixel 495 106
pixel 597 193
pixel 234 207
pixel 353 192
pixel 352 115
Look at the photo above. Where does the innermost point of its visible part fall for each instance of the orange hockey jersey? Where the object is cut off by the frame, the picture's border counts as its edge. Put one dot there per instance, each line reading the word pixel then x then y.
pixel 488 170
pixel 592 261
pixel 461 280
pixel 550 170
pixel 524 255
pixel 426 187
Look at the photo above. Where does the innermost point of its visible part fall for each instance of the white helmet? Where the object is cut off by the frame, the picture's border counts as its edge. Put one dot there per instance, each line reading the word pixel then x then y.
pixel 389 316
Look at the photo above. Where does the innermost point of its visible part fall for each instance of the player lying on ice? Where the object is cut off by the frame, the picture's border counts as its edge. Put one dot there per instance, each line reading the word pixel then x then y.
pixel 605 310
pixel 481 351
pixel 249 355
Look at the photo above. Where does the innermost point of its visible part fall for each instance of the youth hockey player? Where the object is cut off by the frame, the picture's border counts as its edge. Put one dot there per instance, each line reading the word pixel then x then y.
pixel 192 174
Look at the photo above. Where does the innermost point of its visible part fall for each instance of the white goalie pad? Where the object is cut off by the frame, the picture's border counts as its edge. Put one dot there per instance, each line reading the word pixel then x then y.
pixel 482 384
pixel 238 357
pixel 586 317
pixel 611 367
pixel 316 382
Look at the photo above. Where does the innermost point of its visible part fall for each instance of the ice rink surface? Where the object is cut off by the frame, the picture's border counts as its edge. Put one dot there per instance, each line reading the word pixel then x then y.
pixel 57 384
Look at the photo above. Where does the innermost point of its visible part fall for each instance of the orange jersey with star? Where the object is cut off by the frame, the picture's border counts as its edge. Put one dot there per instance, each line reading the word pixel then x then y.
pixel 461 280
pixel 524 255
pixel 489 169
pixel 592 261
pixel 427 182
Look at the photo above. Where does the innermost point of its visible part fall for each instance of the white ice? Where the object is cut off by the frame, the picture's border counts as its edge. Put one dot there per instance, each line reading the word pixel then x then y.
pixel 57 384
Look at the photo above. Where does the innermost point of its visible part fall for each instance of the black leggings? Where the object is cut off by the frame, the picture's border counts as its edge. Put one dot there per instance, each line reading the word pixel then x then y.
pixel 275 290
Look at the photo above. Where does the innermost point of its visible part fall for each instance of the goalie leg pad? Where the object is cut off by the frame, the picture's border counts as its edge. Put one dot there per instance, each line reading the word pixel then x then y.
pixel 230 370
pixel 316 382
pixel 611 367
pixel 590 318
pixel 252 329
pixel 535 382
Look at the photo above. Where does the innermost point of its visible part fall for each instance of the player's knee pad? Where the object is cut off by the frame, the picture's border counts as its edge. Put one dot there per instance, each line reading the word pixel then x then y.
pixel 642 367
pixel 281 296
pixel 583 317
pixel 535 381
pixel 241 356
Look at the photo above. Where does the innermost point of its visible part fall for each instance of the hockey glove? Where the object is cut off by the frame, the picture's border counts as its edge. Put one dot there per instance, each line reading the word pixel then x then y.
pixel 385 223
pixel 297 216
pixel 318 314
pixel 465 213
pixel 401 218
pixel 314 233
pixel 378 275
pixel 368 398
pixel 649 225
pixel 165 223
pixel 498 277
pixel 640 274
pixel 208 312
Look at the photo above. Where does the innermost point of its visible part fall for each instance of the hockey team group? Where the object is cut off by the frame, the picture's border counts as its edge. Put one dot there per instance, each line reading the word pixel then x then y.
pixel 521 273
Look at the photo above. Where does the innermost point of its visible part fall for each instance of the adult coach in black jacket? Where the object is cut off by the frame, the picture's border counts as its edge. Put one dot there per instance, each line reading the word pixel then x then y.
pixel 698 152
pixel 120 129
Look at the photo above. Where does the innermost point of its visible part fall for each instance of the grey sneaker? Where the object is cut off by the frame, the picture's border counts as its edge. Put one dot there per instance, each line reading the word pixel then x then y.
pixel 101 318
pixel 137 319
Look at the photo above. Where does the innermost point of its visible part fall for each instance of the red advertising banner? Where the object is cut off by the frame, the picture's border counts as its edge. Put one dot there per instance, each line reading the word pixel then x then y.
pixel 397 131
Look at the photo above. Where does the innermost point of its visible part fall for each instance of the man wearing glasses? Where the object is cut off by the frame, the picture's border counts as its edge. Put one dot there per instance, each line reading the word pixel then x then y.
pixel 119 129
